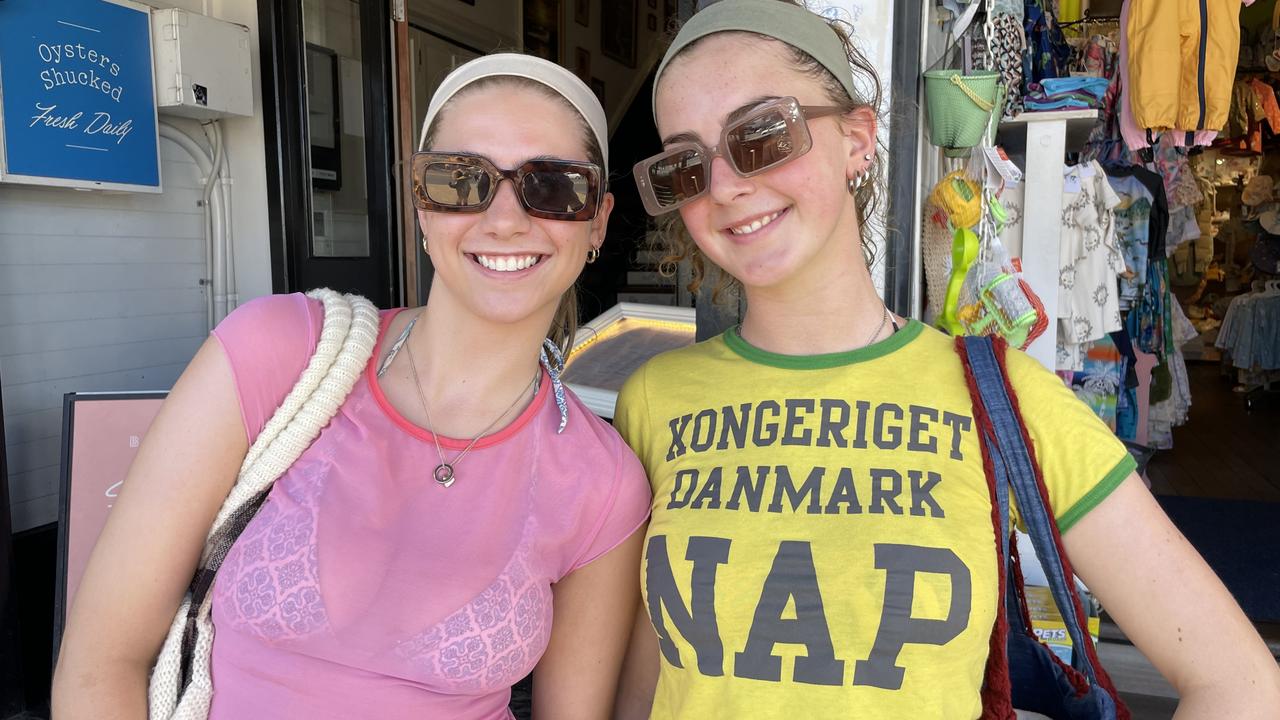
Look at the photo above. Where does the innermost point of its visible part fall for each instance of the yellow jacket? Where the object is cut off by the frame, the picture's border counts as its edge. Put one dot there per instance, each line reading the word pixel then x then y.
pixel 1182 61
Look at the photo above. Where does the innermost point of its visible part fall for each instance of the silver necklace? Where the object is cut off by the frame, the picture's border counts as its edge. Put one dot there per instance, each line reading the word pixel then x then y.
pixel 879 327
pixel 444 473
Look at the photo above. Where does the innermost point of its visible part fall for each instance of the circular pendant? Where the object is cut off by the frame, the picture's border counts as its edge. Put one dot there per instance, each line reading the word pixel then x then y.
pixel 444 474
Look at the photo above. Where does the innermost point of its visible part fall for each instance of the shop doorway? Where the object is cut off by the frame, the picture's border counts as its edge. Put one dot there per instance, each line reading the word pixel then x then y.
pixel 327 74
pixel 613 48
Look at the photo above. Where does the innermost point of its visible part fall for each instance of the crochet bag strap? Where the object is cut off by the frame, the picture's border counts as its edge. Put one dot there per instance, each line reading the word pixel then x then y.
pixel 1011 465
pixel 180 686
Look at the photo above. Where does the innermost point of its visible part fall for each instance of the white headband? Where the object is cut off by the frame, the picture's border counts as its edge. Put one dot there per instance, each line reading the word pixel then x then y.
pixel 565 83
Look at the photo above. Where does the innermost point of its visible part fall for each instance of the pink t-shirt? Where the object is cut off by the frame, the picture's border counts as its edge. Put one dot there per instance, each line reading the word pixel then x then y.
pixel 362 589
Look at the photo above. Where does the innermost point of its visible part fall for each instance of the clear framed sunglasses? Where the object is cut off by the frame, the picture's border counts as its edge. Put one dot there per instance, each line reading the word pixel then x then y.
pixel 770 135
pixel 464 183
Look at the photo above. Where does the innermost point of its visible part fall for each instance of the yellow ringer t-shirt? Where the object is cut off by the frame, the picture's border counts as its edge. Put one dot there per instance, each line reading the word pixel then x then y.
pixel 821 544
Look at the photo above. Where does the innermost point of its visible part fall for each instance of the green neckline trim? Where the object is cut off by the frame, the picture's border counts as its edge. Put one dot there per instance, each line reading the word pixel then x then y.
pixel 909 332
pixel 1094 497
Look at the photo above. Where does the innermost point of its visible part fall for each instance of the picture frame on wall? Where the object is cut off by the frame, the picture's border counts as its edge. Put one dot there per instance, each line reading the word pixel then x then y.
pixel 597 87
pixel 618 31
pixel 582 64
pixel 582 12
pixel 541 30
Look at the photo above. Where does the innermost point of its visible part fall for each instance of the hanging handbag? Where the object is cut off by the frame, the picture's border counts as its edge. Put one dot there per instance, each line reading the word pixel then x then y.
pixel 180 687
pixel 1023 672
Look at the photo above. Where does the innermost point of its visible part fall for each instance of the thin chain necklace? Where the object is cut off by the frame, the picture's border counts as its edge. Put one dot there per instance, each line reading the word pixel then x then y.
pixel 879 327
pixel 444 473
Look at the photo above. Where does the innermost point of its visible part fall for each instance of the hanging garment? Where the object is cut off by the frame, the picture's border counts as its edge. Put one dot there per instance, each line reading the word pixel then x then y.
pixel 1251 331
pixel 1270 111
pixel 1198 38
pixel 1159 203
pixel 1135 137
pixel 1098 385
pixel 1008 43
pixel 1245 111
pixel 1089 262
pixel 1048 54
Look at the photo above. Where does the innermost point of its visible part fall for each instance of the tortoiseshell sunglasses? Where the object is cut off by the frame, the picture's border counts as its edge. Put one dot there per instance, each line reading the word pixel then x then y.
pixel 464 183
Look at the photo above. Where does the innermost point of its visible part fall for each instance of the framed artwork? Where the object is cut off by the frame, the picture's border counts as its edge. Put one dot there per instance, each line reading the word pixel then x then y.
pixel 582 64
pixel 597 87
pixel 618 31
pixel 542 29
pixel 653 22
pixel 582 12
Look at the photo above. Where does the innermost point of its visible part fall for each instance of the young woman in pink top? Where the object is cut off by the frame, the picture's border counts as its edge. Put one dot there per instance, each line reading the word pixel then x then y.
pixel 461 521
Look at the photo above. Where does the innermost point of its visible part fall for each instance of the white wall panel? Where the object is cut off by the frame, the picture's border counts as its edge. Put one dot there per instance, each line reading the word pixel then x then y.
pixel 98 291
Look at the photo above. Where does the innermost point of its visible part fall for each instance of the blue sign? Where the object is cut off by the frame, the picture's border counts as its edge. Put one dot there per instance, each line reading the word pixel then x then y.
pixel 79 105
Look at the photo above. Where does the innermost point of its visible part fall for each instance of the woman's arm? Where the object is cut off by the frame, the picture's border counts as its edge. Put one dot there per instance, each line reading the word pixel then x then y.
pixel 639 671
pixel 1174 609
pixel 148 550
pixel 594 608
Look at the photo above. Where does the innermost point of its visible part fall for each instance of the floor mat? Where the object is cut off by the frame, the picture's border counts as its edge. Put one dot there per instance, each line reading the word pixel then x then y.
pixel 1240 539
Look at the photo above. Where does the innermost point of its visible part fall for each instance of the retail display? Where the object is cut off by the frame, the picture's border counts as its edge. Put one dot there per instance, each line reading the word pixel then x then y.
pixel 1168 211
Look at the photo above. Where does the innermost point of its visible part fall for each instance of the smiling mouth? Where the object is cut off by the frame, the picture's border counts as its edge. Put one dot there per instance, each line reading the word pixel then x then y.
pixel 755 225
pixel 507 263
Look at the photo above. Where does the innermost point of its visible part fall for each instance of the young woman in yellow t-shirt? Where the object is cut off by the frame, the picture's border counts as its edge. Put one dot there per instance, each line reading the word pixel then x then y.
pixel 822 543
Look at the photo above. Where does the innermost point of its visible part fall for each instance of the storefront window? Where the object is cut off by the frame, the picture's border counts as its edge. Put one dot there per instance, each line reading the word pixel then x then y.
pixel 335 113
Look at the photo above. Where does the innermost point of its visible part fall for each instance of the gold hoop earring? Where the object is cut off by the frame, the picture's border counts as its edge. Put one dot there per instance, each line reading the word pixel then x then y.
pixel 424 245
pixel 592 255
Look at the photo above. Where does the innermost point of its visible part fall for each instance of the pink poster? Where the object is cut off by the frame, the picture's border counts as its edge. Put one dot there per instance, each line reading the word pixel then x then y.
pixel 105 433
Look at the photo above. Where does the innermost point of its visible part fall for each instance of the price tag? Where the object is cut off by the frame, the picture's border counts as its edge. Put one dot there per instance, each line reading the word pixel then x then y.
pixel 1071 184
pixel 1002 165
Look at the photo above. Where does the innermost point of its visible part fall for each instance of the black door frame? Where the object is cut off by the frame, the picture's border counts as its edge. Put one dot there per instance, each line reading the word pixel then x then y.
pixel 284 119
pixel 904 144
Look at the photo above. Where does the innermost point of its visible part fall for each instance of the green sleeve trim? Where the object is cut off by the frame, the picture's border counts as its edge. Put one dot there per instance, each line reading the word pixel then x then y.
pixel 1094 497
pixel 906 334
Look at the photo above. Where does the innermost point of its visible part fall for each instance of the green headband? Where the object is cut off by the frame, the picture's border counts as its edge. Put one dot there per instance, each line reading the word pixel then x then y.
pixel 783 21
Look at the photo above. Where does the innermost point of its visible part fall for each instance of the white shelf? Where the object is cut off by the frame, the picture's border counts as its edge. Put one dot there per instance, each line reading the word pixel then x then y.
pixel 1012 134
pixel 1030 116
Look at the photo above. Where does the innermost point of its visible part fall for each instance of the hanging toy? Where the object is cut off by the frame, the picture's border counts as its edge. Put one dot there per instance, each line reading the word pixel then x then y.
pixel 964 250
pixel 991 300
pixel 960 197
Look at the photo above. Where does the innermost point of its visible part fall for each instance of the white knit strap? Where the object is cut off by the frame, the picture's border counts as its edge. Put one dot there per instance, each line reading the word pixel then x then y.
pixel 347 341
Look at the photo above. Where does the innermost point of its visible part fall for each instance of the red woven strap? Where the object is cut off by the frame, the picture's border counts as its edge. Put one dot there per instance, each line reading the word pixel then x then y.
pixel 997 692
pixel 1122 712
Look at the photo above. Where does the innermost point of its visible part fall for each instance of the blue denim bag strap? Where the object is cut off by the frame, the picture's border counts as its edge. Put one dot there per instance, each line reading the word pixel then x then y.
pixel 1018 471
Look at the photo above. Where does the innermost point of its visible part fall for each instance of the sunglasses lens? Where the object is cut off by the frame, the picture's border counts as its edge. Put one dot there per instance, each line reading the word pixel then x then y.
pixel 453 184
pixel 557 191
pixel 678 177
pixel 760 142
